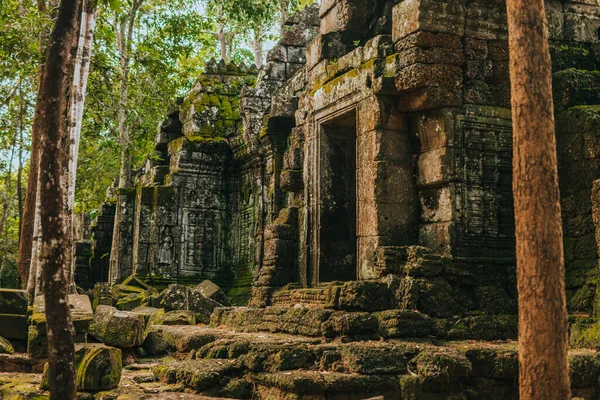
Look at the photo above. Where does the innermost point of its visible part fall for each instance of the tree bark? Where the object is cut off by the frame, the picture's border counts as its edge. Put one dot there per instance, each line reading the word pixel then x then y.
pixel 26 238
pixel 6 204
pixel 221 35
pixel 124 41
pixel 543 359
pixel 20 156
pixel 75 118
pixel 257 47
pixel 50 110
pixel 124 29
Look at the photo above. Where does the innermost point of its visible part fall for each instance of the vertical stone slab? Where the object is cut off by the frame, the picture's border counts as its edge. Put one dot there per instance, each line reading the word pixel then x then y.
pixel 144 207
pixel 163 253
pixel 121 257
pixel 102 236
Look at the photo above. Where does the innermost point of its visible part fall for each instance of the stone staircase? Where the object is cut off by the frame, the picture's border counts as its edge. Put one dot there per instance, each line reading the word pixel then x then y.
pixel 221 362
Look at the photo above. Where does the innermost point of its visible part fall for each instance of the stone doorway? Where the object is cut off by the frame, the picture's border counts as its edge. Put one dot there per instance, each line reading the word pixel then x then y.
pixel 337 220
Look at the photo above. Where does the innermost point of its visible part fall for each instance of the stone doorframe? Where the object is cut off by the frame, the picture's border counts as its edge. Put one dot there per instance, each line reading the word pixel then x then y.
pixel 321 118
pixel 387 204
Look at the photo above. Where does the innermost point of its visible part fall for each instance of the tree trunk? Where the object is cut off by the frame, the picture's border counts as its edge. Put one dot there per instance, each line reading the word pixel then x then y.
pixel 6 204
pixel 124 30
pixel 124 41
pixel 543 372
pixel 221 35
pixel 257 47
pixel 26 239
pixel 7 186
pixel 50 110
pixel 75 118
pixel 20 167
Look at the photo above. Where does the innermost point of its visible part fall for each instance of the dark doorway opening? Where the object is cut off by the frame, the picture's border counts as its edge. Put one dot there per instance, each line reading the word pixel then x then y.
pixel 337 184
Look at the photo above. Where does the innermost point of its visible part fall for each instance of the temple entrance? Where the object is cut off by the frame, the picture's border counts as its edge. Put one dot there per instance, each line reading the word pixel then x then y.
pixel 337 253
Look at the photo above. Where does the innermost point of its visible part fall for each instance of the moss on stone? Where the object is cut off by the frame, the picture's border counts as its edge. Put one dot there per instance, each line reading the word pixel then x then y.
pixel 565 56
pixel 583 299
pixel 441 366
pixel 118 328
pixel 585 334
pixel 437 298
pixel 6 347
pixel 99 368
pixel 584 366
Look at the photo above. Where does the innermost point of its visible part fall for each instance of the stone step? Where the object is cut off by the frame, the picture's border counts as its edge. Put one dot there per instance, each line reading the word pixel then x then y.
pixel 320 322
pixel 314 384
pixel 200 375
pixel 270 366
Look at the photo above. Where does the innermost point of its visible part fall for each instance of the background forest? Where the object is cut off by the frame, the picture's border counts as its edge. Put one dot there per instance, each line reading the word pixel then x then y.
pixel 146 54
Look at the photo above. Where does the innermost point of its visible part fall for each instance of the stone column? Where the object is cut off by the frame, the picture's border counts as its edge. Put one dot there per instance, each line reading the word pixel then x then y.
pixel 387 201
pixel 121 256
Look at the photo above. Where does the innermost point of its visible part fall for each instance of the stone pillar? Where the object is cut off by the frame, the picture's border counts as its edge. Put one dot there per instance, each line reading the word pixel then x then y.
pixel 387 201
pixel 121 256
pixel 142 232
pixel 102 235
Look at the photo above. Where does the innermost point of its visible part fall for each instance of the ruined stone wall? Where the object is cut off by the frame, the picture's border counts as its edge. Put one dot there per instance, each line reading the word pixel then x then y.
pixel 375 127
pixel 575 80
pixel 429 93
pixel 199 210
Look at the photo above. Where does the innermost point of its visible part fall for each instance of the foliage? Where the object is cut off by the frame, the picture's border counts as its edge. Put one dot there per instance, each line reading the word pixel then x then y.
pixel 172 40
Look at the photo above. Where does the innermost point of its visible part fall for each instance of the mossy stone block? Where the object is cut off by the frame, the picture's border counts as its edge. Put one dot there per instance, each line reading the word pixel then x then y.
pixel 441 366
pixel 13 301
pixel 118 328
pixel 13 326
pixel 98 367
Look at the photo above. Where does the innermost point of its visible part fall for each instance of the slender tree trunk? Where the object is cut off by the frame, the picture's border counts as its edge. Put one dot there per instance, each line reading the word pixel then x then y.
pixel 7 186
pixel 221 35
pixel 26 239
pixel 544 368
pixel 124 30
pixel 20 166
pixel 124 40
pixel 257 47
pixel 75 118
pixel 50 110
pixel 6 205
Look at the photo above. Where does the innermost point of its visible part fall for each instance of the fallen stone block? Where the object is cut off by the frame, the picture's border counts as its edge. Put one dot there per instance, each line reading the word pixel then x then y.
pixel 404 323
pixel 13 314
pixel 146 312
pixel 81 313
pixel 13 326
pixel 178 317
pixel 438 367
pixel 98 368
pixel 213 292
pixel 118 328
pixel 179 297
pixel 13 301
pixel 179 338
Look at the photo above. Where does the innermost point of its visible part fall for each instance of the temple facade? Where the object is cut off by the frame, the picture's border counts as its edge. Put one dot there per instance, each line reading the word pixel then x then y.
pixel 365 167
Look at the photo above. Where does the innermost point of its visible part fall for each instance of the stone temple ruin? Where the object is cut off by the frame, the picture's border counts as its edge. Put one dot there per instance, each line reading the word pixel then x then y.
pixel 353 193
